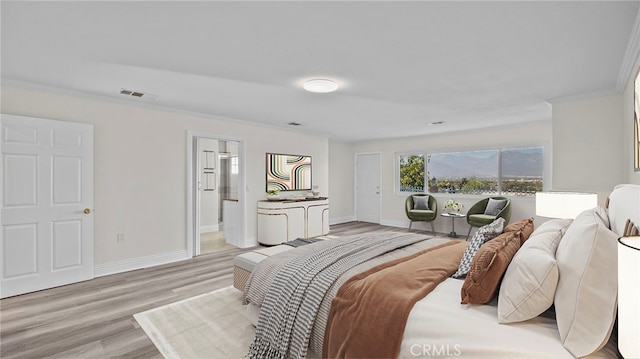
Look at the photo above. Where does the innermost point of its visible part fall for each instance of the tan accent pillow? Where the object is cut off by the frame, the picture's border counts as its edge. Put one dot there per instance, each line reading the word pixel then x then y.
pixel 524 226
pixel 587 293
pixel 487 268
pixel 530 282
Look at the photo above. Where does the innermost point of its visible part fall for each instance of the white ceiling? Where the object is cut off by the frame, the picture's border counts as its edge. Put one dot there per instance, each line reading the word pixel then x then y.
pixel 401 65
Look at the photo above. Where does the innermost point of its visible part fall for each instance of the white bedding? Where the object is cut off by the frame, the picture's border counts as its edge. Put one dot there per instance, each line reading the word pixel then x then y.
pixel 439 326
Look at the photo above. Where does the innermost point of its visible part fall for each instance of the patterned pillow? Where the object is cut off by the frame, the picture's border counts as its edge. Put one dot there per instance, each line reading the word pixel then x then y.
pixel 483 235
pixel 420 202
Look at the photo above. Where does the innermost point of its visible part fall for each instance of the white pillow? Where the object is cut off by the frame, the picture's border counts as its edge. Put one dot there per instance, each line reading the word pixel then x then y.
pixel 494 206
pixel 621 208
pixel 529 284
pixel 586 297
pixel 421 202
pixel 554 225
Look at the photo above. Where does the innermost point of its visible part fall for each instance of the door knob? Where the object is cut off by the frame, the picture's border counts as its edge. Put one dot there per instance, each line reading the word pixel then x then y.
pixel 86 211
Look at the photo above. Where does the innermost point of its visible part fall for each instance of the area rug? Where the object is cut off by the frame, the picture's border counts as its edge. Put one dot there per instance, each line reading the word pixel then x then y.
pixel 211 325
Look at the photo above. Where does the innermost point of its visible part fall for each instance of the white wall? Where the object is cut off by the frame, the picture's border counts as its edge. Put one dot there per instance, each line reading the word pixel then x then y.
pixel 341 194
pixel 140 162
pixel 393 214
pixel 588 145
pixel 140 166
pixel 591 144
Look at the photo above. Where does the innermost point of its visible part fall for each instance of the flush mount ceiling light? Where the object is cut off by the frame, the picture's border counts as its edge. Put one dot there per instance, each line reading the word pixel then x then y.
pixel 320 85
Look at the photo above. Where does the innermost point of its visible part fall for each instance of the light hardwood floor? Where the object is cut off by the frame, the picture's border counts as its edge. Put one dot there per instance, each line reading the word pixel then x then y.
pixel 213 242
pixel 94 319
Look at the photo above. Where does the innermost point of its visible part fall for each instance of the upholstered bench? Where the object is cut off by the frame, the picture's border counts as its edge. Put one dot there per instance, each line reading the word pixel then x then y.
pixel 243 264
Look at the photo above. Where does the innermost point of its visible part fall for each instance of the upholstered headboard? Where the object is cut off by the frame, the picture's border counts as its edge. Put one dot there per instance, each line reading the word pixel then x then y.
pixel 624 204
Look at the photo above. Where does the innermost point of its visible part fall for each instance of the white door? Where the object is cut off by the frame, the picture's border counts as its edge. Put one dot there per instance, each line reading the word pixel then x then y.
pixel 47 202
pixel 368 187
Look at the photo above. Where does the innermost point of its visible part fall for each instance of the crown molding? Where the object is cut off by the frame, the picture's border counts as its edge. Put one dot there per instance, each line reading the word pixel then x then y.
pixel 127 101
pixel 631 56
pixel 584 96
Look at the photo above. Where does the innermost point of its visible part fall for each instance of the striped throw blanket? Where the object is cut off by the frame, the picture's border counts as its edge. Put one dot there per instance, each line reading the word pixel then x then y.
pixel 290 306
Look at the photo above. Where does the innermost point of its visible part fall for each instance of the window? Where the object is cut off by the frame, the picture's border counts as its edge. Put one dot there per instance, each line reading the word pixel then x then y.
pixel 412 173
pixel 522 170
pixel 234 165
pixel 510 171
pixel 472 172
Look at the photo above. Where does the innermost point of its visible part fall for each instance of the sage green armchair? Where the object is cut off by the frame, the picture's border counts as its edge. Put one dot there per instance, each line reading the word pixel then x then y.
pixel 476 216
pixel 417 212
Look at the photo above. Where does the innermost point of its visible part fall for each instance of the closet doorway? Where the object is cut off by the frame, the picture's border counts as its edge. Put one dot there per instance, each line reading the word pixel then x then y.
pixel 216 175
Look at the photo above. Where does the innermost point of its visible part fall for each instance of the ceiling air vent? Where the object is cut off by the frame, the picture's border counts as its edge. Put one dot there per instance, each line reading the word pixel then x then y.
pixel 137 94
pixel 294 124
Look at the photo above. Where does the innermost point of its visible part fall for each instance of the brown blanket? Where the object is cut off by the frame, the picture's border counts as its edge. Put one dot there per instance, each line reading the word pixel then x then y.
pixel 370 311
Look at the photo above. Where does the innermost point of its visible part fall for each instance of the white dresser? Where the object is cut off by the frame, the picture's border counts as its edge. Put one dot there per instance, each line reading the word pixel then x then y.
pixel 286 220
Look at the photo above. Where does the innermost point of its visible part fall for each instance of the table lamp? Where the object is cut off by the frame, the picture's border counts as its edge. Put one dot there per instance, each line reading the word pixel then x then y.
pixel 564 204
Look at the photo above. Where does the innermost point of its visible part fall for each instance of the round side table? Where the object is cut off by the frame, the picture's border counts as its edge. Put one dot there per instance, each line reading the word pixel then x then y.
pixel 453 216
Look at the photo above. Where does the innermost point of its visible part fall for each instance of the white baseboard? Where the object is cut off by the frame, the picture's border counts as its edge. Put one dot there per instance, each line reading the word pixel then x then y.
pixel 339 220
pixel 126 265
pixel 248 242
pixel 401 223
pixel 211 228
pixel 441 226
pixel 395 223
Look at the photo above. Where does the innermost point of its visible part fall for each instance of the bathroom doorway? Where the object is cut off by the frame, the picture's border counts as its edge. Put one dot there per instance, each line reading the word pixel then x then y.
pixel 216 176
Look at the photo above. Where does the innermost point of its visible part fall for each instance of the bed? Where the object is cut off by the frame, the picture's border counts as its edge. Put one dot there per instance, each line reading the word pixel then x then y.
pixel 583 293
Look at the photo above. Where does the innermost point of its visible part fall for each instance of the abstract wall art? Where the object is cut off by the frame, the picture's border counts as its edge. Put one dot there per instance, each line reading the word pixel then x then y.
pixel 288 172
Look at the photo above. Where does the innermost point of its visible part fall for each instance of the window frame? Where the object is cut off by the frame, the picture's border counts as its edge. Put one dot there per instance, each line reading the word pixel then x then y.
pixel 546 168
pixel 397 171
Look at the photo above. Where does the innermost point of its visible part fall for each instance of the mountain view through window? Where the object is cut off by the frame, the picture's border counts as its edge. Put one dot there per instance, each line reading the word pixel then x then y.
pixel 517 171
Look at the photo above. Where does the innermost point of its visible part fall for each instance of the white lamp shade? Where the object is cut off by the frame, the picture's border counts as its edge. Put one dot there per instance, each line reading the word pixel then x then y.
pixel 564 204
pixel 629 296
